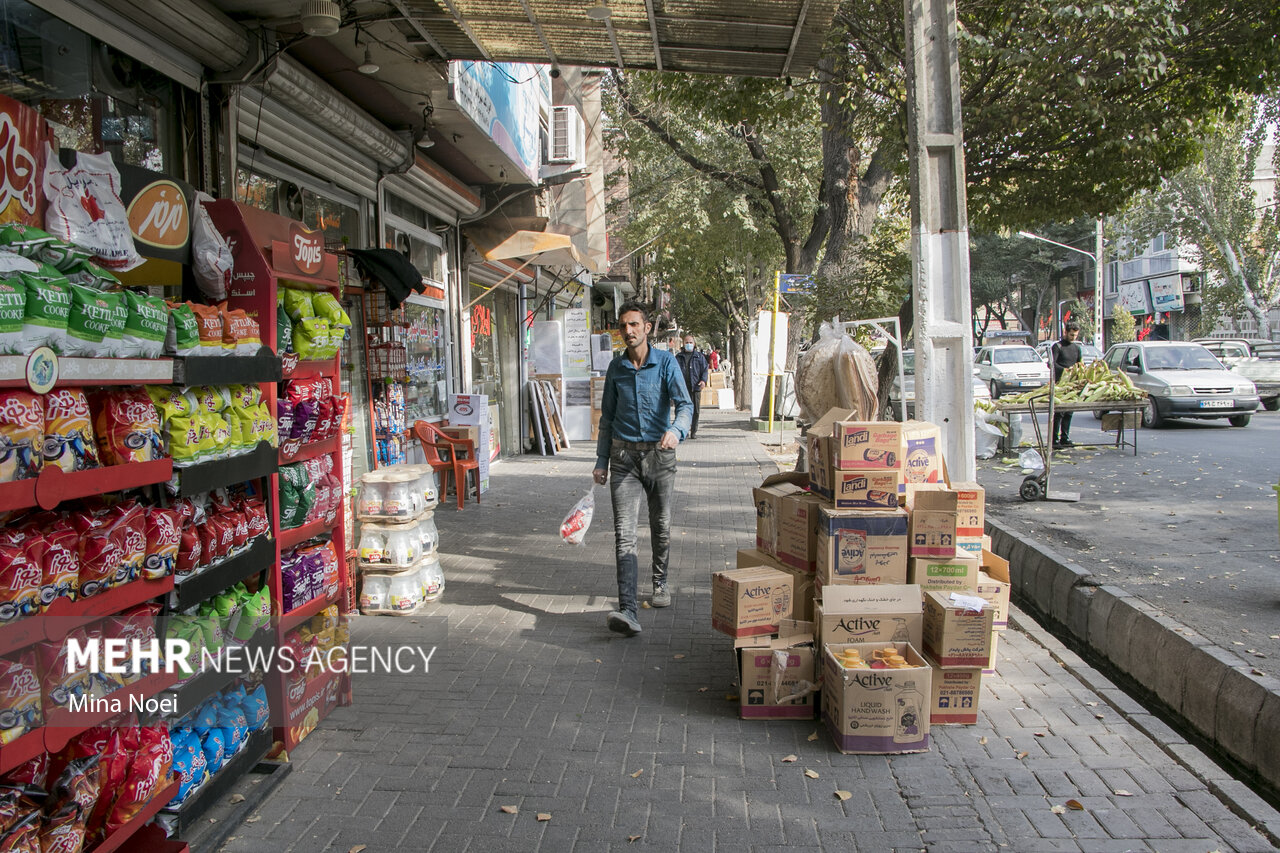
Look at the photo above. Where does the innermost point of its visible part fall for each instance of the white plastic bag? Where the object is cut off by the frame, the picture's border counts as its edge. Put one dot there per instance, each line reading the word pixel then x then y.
pixel 986 435
pixel 574 527
pixel 85 209
pixel 211 261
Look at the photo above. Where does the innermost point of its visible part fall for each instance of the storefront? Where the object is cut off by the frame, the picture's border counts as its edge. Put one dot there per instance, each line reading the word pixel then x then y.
pixel 494 328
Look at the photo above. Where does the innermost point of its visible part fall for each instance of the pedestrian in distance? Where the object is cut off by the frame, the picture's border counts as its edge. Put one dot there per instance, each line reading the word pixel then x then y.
pixel 694 369
pixel 637 449
pixel 1065 353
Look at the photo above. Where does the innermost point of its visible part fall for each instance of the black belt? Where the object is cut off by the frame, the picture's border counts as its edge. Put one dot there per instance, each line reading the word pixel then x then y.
pixel 635 445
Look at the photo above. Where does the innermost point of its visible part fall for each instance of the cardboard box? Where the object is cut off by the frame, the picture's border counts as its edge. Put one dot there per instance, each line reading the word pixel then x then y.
pixel 707 398
pixel 921 453
pixel 872 613
pixel 474 410
pixel 470 433
pixel 993 564
pixel 868 445
pixel 787 520
pixel 725 401
pixel 971 545
pixel 861 546
pixel 959 574
pixel 996 594
pixel 597 392
pixel 971 511
pixel 820 445
pixel 877 711
pixel 954 634
pixel 865 489
pixel 756 557
pixel 802 582
pixel 795 682
pixel 933 520
pixel 717 379
pixel 990 669
pixel 954 696
pixel 750 601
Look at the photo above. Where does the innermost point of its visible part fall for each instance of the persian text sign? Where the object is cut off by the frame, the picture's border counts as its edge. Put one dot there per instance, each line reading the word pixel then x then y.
pixel 23 136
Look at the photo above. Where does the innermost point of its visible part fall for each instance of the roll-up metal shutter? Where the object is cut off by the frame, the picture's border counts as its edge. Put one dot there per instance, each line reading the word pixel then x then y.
pixel 432 195
pixel 195 27
pixel 266 124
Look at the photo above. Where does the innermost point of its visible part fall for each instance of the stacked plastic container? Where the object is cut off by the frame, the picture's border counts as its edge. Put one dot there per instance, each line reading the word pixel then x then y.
pixel 399 559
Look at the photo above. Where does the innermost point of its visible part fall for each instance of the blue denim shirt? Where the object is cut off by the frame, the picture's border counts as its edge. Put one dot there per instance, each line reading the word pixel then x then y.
pixel 637 403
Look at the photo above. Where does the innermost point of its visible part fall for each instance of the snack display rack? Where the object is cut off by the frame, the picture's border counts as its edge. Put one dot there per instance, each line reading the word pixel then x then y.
pixel 272 252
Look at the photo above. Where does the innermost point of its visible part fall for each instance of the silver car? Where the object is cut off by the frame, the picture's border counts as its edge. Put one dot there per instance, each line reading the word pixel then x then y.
pixel 1184 380
pixel 1010 369
pixel 894 411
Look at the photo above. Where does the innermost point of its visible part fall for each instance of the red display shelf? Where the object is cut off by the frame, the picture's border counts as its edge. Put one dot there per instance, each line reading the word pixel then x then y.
pixel 150 839
pixel 291 367
pixel 23 749
pixel 62 725
pixel 131 830
pixel 92 371
pixel 53 485
pixel 64 616
pixel 298 615
pixel 293 450
pixel 297 535
pixel 20 634
pixel 323 694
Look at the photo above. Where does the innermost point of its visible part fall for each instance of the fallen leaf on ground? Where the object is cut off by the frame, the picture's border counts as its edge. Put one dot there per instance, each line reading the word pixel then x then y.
pixel 511 809
pixel 679 657
pixel 632 839
pixel 636 775
pixel 253 819
pixel 843 795
pixel 1040 734
pixel 1257 672
pixel 813 737
pixel 237 798
pixel 543 817
pixel 1075 805
pixel 812 774
pixel 703 689
pixel 788 759
pixel 358 848
pixel 1099 716
pixel 1023 754
pixel 982 740
pixel 1059 809
pixel 1121 792
pixel 645 605
pixel 1092 704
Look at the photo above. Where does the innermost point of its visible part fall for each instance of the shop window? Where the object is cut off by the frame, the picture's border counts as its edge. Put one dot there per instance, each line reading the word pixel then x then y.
pixel 340 222
pixel 96 98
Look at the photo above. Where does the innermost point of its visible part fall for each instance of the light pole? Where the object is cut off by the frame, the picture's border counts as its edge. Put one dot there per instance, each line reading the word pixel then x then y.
pixel 1097 275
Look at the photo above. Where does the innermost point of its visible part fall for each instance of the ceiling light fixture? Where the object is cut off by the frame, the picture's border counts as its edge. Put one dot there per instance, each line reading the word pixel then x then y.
pixel 368 66
pixel 320 17
pixel 599 12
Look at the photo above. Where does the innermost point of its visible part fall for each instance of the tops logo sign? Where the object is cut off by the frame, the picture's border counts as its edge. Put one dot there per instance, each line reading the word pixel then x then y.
pixel 158 216
pixel 307 248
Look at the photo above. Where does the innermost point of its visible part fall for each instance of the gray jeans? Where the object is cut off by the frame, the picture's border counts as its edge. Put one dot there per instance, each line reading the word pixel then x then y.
pixel 634 474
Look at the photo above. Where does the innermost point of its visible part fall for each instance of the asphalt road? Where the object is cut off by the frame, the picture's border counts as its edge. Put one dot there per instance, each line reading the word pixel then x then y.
pixel 1189 524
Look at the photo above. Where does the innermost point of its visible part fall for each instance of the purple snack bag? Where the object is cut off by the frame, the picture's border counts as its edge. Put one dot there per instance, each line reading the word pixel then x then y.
pixel 315 574
pixel 292 581
pixel 284 417
pixel 304 420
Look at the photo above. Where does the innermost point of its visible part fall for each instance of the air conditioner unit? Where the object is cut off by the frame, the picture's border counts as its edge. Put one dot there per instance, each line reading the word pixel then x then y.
pixel 567 139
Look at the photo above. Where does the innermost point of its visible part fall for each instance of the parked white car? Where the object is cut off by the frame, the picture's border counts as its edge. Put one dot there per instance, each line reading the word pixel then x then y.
pixel 909 379
pixel 1010 369
pixel 1184 380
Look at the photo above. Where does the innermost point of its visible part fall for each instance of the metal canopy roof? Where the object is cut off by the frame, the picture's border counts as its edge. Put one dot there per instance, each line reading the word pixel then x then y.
pixel 752 38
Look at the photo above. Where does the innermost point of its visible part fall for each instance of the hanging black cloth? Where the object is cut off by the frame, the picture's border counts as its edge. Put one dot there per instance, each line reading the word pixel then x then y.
pixel 390 269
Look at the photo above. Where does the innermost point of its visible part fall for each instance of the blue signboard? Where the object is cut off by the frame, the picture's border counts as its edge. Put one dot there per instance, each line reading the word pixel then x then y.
pixel 504 99
pixel 790 282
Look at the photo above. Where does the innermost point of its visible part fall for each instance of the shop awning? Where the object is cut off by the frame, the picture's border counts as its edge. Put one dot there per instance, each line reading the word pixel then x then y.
pixel 536 247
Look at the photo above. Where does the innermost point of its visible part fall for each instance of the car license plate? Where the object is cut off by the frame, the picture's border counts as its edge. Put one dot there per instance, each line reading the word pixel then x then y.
pixel 1028 383
pixel 1217 404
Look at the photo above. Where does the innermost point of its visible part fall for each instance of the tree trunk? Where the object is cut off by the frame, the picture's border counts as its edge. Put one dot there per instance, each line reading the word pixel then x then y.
pixel 740 359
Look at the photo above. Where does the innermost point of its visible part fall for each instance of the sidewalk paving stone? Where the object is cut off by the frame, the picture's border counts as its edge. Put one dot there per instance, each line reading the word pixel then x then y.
pixel 530 701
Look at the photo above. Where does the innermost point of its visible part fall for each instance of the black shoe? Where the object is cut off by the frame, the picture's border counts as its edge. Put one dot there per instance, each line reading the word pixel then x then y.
pixel 1066 442
pixel 692 436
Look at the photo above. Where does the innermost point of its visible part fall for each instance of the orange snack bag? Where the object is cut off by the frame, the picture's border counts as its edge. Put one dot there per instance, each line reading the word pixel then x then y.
pixel 240 333
pixel 210 320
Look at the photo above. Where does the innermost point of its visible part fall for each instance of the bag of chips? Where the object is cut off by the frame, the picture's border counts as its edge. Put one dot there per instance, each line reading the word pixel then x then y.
pixel 284 416
pixel 297 493
pixel 57 684
pixel 101 555
pixel 298 304
pixel 183 335
pixel 34 772
pixel 47 312
pixel 20 581
pixel 311 338
pixel 88 274
pixel 129 526
pixel 208 398
pixel 63 256
pixel 284 331
pixel 240 333
pixel 61 567
pixel 145 327
pixel 13 308
pixel 113 339
pixel 189 765
pixel 182 436
pixel 220 430
pixel 147 774
pixel 209 319
pixel 255 512
pixel 91 316
pixel 21 435
pixel 127 425
pixel 68 436
pixel 20 710
pixel 244 396
pixel 190 552
pixel 25 240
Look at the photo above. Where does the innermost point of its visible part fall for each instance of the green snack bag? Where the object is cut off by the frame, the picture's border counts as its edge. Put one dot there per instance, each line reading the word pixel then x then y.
pixel 183 335
pixel 311 338
pixel 113 339
pixel 11 263
pixel 211 626
pixel 91 317
pixel 48 308
pixel 13 308
pixel 284 331
pixel 298 304
pixel 145 326
pixel 88 274
pixel 245 396
pixel 224 604
pixel 264 426
pixel 297 493
pixel 326 305
pixel 25 240
pixel 235 425
pixel 170 401
pixel 183 439
pixel 62 255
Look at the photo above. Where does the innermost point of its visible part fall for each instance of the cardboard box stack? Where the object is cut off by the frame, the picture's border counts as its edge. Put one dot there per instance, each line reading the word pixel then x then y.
pixel 886 563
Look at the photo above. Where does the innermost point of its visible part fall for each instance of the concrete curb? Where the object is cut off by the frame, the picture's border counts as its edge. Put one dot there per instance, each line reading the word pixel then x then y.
pixel 1213 691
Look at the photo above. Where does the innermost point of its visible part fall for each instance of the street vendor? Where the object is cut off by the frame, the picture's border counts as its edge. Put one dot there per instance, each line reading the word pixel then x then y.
pixel 1065 353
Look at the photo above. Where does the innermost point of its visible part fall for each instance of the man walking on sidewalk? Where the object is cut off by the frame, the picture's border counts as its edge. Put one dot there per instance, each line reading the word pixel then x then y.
pixel 1065 353
pixel 693 367
pixel 637 446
